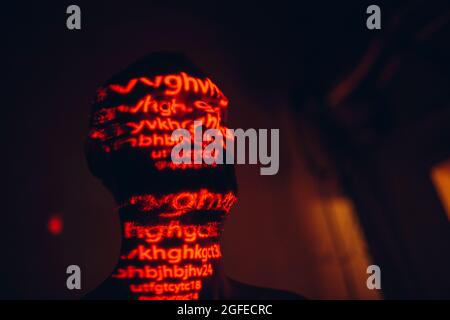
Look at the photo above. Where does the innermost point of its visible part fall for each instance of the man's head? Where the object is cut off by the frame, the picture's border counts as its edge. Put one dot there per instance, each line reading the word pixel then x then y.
pixel 130 141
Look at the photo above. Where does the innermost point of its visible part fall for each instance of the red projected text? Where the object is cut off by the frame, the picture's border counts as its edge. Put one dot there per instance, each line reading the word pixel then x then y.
pixel 157 233
pixel 177 204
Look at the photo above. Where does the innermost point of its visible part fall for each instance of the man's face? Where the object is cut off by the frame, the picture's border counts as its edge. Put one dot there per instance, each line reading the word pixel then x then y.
pixel 132 124
pixel 142 113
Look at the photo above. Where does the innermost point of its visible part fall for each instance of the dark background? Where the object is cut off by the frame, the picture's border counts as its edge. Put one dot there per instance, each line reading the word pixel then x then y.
pixel 363 117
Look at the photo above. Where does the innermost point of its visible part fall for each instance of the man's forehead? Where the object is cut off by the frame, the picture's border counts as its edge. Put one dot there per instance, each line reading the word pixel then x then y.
pixel 181 86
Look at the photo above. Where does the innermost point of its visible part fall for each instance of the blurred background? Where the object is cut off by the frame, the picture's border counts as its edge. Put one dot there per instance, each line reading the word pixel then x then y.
pixel 364 155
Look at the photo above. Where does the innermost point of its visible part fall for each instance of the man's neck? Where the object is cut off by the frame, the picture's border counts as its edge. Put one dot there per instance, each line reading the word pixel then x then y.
pixel 170 258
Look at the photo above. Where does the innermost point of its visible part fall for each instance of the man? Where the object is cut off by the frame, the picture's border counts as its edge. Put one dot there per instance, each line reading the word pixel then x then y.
pixel 172 214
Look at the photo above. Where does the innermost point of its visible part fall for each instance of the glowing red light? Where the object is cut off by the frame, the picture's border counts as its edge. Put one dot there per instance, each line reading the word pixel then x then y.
pixel 55 225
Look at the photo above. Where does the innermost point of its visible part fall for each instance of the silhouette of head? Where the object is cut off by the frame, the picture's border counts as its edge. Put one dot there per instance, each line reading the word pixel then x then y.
pixel 129 146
